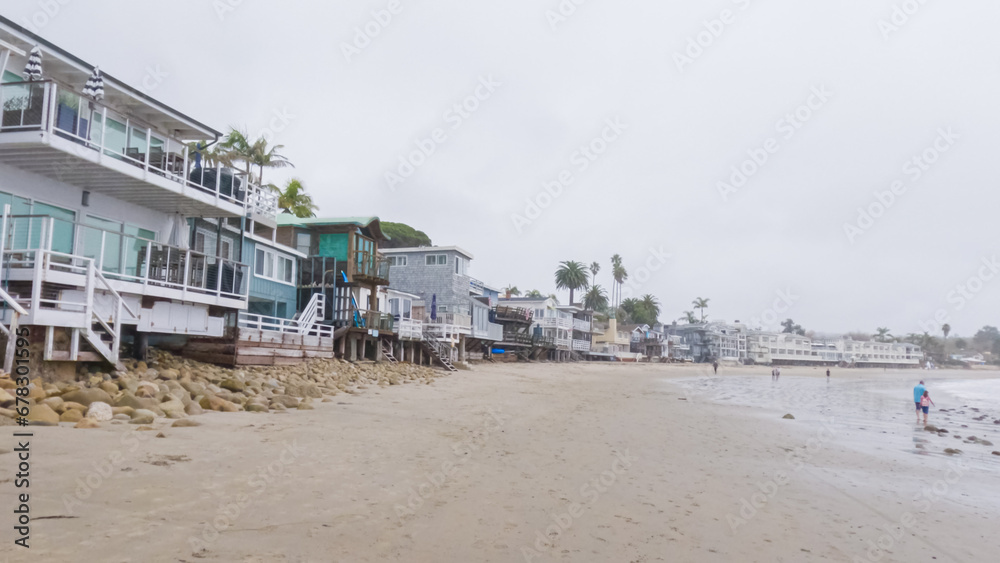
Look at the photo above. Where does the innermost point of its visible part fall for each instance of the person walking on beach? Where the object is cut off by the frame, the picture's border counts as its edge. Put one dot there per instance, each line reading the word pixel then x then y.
pixel 828 374
pixel 918 393
pixel 777 373
pixel 925 404
pixel 774 372
pixel 715 366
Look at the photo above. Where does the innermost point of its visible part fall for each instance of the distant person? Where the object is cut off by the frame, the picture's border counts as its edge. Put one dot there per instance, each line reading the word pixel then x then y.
pixel 828 374
pixel 918 393
pixel 774 373
pixel 715 367
pixel 777 373
pixel 925 404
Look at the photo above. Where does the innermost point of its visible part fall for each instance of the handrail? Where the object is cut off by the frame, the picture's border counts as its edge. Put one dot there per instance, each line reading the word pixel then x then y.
pixel 12 303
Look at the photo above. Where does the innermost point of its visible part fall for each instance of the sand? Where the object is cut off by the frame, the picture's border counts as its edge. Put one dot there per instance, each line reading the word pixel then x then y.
pixel 534 462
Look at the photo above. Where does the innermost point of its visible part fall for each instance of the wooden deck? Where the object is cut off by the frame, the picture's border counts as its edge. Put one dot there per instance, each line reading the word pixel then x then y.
pixel 259 348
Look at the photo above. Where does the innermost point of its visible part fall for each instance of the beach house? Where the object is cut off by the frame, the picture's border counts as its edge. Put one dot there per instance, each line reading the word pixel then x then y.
pixel 457 308
pixel 113 227
pixel 341 274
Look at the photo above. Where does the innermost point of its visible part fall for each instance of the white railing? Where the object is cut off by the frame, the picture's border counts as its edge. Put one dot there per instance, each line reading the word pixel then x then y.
pixel 447 333
pixel 308 323
pixel 493 331
pixel 581 325
pixel 122 257
pixel 10 331
pixel 564 343
pixel 57 109
pixel 555 322
pixel 410 329
pixel 581 345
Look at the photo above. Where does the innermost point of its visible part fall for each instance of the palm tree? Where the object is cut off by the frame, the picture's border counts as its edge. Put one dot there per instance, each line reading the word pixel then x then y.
pixel 882 335
pixel 946 329
pixel 512 290
pixel 616 267
pixel 594 268
pixel 651 304
pixel 238 147
pixel 534 294
pixel 571 275
pixel 294 199
pixel 701 303
pixel 689 317
pixel 263 157
pixel 596 299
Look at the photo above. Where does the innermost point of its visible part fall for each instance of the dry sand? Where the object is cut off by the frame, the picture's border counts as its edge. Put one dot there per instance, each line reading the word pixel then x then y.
pixel 533 462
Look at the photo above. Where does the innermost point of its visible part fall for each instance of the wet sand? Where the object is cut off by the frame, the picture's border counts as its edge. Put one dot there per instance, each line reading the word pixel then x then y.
pixel 536 462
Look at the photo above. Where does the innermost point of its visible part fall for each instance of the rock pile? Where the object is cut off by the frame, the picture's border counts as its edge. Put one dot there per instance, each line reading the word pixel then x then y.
pixel 175 388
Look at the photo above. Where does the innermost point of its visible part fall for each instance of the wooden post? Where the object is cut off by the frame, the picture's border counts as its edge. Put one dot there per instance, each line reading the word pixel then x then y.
pixel 141 345
pixel 364 347
pixel 353 357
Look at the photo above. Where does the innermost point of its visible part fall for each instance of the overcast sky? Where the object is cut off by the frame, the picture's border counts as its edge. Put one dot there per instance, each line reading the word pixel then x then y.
pixel 882 90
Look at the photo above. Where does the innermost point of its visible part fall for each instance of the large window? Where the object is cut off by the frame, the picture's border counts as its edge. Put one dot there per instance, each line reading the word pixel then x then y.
pixel 436 259
pixel 273 266
pixel 303 243
pixel 397 260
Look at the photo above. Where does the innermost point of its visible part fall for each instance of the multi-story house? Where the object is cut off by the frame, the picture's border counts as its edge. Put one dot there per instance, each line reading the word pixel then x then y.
pixel 704 342
pixel 341 271
pixel 98 191
pixel 613 342
pixel 457 307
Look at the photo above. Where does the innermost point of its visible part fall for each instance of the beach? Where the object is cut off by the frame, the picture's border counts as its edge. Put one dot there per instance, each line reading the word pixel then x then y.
pixel 540 462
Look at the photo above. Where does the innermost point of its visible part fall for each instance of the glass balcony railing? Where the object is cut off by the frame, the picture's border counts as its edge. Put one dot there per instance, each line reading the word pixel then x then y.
pixel 120 256
pixel 54 108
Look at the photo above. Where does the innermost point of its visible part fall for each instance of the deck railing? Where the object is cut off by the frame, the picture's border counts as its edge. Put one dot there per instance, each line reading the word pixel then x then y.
pixel 120 256
pixel 581 325
pixel 555 322
pixel 55 108
pixel 368 267
pixel 518 314
pixel 581 345
pixel 409 329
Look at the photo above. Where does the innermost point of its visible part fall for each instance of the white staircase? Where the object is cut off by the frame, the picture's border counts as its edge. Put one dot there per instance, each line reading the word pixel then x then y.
pixel 387 352
pixel 10 331
pixel 438 350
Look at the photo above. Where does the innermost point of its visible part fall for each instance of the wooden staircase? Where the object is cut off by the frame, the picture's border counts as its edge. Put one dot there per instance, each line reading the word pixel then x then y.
pixel 387 352
pixel 438 350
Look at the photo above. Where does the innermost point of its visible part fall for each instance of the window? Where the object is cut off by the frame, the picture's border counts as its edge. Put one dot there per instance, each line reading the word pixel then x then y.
pixel 303 242
pixel 270 265
pixel 459 266
pixel 397 260
pixel 285 269
pixel 436 259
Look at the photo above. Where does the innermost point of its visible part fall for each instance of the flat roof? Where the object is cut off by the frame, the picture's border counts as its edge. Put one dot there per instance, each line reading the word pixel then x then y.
pixel 457 249
pixel 289 220
pixel 81 70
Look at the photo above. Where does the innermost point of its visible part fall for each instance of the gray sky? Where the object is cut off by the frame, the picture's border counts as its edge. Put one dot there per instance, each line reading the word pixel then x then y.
pixel 685 125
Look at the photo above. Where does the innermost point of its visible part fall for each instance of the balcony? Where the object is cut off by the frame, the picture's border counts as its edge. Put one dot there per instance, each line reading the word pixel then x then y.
pixel 365 319
pixel 409 329
pixel 513 314
pixel 42 248
pixel 581 345
pixel 522 338
pixel 581 325
pixel 492 332
pixel 543 341
pixel 54 131
pixel 565 323
pixel 367 267
pixel 564 343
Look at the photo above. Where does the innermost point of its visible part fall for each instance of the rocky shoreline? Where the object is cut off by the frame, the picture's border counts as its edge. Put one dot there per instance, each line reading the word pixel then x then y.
pixel 177 388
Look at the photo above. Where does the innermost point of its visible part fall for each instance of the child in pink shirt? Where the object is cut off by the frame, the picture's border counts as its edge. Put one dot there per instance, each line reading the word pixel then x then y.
pixel 925 404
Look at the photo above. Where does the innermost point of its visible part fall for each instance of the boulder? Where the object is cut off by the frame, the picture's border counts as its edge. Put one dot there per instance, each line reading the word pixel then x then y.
pixel 193 408
pixel 109 388
pixel 128 399
pixel 100 411
pixel 70 405
pixel 285 401
pixel 931 428
pixel 122 410
pixel 256 407
pixel 168 374
pixel 146 390
pixel 952 451
pixel 232 385
pixel 789 416
pixel 120 418
pixel 42 415
pixel 185 423
pixel 87 423
pixel 53 402
pixel 304 406
pixel 173 408
pixel 87 396
pixel 214 403
pixel 6 398
pixel 143 416
pixel 71 416
pixel 193 387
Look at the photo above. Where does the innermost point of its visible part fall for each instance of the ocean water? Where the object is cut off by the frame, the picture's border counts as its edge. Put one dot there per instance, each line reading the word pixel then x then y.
pixel 983 394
